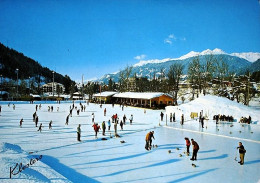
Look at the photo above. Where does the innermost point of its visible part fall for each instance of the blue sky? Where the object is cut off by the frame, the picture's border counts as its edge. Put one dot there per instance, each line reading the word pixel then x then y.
pixel 93 37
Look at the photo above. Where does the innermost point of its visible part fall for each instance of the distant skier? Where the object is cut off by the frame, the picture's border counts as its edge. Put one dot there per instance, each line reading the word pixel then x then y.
pixel 21 122
pixel 40 127
pixel 121 124
pixel 67 120
pixel 124 119
pixel 109 125
pixel 40 106
pixel 13 107
pixel 187 145
pixel 115 127
pixel 148 140
pixel 103 127
pixel 50 125
pixel 161 116
pixel 182 119
pixel 131 119
pixel 195 149
pixel 170 117
pixel 242 152
pixel 36 121
pixel 93 117
pixel 34 116
pixel 78 133
pixel 36 107
pixel 173 117
pixel 202 121
pixel 105 112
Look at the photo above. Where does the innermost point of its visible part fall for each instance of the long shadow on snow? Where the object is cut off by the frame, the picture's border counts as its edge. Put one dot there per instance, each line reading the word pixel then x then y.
pixel 209 151
pixel 73 154
pixel 148 166
pixel 160 176
pixel 252 162
pixel 194 175
pixel 66 171
pixel 114 159
pixel 216 157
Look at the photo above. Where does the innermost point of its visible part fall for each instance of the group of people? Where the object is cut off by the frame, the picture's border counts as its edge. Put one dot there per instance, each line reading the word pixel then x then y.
pixel 245 120
pixel 223 118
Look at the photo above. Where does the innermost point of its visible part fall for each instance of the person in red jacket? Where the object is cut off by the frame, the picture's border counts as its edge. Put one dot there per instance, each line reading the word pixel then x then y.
pixel 187 145
pixel 195 149
pixel 96 128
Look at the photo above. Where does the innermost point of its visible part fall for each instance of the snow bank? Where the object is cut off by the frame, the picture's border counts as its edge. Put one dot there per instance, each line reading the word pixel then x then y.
pixel 212 105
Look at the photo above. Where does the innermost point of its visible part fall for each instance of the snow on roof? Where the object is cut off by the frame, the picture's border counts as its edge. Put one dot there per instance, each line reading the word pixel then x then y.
pixel 105 94
pixel 139 95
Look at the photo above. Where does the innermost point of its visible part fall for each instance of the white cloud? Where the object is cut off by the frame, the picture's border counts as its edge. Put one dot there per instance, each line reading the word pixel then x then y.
pixel 168 41
pixel 140 57
pixel 171 38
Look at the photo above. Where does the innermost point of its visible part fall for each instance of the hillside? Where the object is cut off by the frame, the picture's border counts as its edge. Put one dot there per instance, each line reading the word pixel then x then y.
pixel 10 60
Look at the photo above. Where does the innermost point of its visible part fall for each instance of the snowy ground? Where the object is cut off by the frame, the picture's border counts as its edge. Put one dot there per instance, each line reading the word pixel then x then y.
pixel 93 160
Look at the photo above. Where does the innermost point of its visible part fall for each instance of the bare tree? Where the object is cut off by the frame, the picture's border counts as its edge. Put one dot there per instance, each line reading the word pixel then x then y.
pixel 174 76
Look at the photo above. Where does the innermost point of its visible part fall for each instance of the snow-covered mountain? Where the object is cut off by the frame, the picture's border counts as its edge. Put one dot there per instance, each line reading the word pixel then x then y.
pixel 249 56
pixel 237 63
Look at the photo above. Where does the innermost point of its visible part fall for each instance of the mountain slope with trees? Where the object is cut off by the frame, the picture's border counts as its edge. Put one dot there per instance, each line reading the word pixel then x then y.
pixel 29 70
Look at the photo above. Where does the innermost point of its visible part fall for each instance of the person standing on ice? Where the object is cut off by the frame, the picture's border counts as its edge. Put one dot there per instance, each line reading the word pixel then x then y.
pixel 50 125
pixel 124 119
pixel 67 120
pixel 115 127
pixel 242 152
pixel 36 120
pixel 104 128
pixel 0 108
pixel 93 117
pixel 78 133
pixel 173 117
pixel 182 119
pixel 96 128
pixel 161 116
pixel 195 149
pixel 131 119
pixel 202 121
pixel 170 117
pixel 109 125
pixel 148 140
pixel 105 111
pixel 13 107
pixel 121 124
pixel 187 145
pixel 40 127
pixel 21 122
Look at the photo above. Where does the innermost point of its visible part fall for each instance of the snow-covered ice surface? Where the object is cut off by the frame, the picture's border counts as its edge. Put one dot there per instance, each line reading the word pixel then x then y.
pixel 93 160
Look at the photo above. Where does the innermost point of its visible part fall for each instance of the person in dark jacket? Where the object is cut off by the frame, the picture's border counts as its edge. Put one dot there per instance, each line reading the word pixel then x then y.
pixel 50 125
pixel 40 127
pixel 182 119
pixel 78 133
pixel 121 125
pixel 187 145
pixel 21 122
pixel 242 152
pixel 195 149
pixel 161 116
